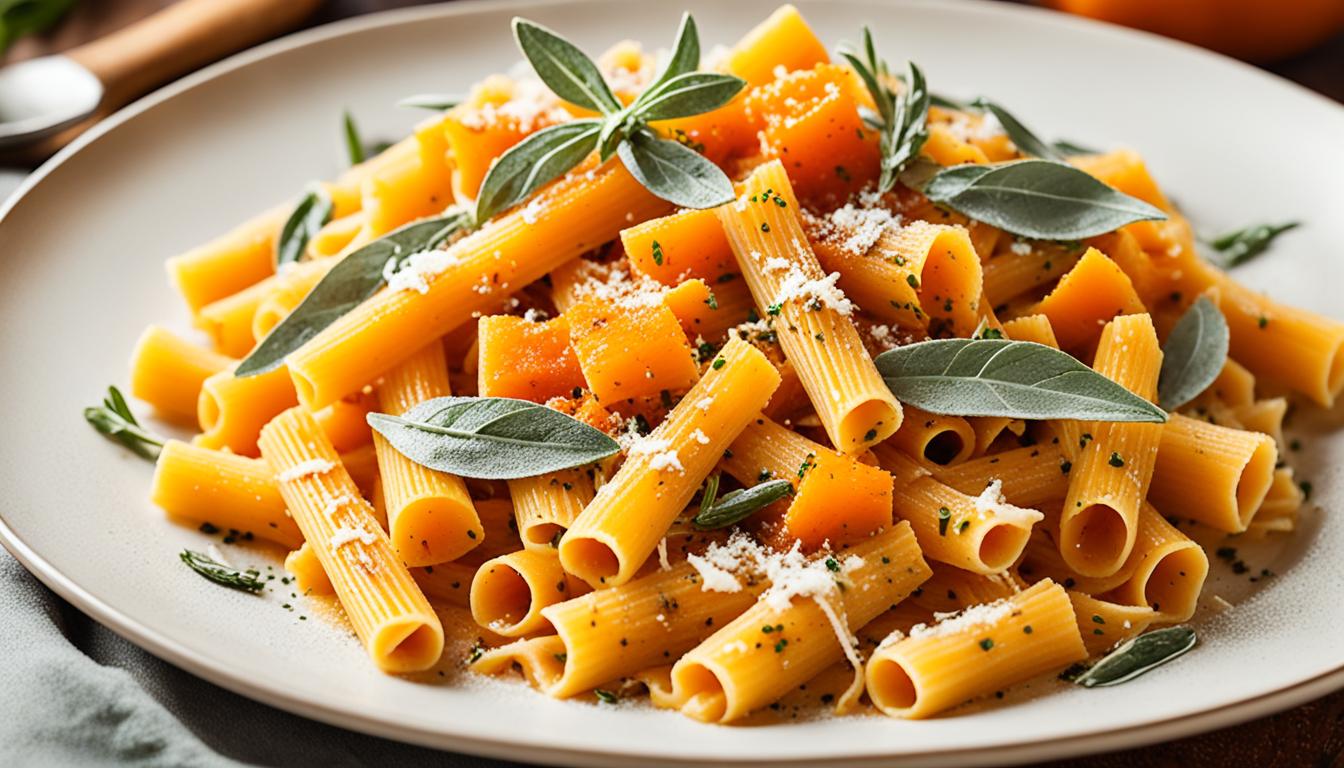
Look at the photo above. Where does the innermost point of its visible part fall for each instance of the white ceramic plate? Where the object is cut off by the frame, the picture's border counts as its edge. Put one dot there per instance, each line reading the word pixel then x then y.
pixel 81 254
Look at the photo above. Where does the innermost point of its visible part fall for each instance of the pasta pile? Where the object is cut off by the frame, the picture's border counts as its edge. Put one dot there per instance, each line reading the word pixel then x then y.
pixel 915 559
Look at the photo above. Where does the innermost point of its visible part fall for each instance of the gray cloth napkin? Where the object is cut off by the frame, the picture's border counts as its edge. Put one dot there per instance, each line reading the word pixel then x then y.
pixel 74 694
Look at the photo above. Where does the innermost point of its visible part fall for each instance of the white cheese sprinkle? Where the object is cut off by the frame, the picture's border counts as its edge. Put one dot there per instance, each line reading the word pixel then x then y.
pixel 304 469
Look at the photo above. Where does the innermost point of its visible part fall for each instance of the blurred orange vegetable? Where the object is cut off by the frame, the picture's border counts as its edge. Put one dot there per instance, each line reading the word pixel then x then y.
pixel 1255 30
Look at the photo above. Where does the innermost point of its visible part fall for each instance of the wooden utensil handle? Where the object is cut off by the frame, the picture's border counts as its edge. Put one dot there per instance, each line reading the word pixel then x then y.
pixel 181 38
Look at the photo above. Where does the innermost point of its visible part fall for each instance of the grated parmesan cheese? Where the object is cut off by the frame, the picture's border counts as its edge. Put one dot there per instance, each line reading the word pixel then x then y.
pixel 991 504
pixel 347 534
pixel 304 469
pixel 796 286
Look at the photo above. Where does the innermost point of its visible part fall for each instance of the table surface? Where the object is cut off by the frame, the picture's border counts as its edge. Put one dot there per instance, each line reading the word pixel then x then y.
pixel 1312 734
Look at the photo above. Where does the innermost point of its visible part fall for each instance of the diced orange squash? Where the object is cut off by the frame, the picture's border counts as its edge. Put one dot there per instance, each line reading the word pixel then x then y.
pixel 630 351
pixel 480 130
pixel 1125 170
pixel 1089 296
pixel 527 360
pixel 809 120
pixel 720 134
pixel 783 40
pixel 674 248
pixel 839 500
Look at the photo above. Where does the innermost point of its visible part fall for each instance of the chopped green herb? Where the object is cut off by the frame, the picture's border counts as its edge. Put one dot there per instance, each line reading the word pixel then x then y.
pixel 244 581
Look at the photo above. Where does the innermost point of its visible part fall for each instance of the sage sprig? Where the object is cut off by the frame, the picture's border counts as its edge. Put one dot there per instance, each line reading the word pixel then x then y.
pixel 1022 137
pixel 1013 379
pixel 310 215
pixel 736 506
pixel 666 167
pixel 1194 354
pixel 1070 148
pixel 114 419
pixel 1242 245
pixel 434 102
pixel 1037 199
pixel 901 118
pixel 226 576
pixel 352 280
pixel 1137 656
pixel 492 438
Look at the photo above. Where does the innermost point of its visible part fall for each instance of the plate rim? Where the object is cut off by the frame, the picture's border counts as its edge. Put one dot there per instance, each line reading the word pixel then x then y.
pixel 186 658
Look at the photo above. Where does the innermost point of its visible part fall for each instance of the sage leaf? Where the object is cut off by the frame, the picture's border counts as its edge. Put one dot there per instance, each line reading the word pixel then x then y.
pixel 1038 199
pixel 492 438
pixel 532 162
pixel 710 493
pixel 436 102
pixel 736 506
pixel 243 581
pixel 1021 136
pixel 566 70
pixel 354 145
pixel 1070 148
pixel 355 278
pixel 1242 245
pixel 947 102
pixel 1138 655
pixel 1013 379
pixel 1194 354
pixel 674 172
pixel 685 52
pixel 692 93
pixel 115 420
pixel 310 215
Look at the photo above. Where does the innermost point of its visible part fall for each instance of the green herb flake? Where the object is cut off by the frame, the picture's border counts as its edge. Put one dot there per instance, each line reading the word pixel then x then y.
pixel 226 576
pixel 115 420
pixel 944 517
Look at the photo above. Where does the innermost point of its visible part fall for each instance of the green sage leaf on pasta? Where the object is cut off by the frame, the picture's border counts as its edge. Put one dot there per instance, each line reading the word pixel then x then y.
pixel 1013 379
pixel 566 70
pixel 355 278
pixel 1022 137
pixel 492 438
pixel 675 172
pixel 1038 199
pixel 736 506
pixel 533 162
pixel 1194 354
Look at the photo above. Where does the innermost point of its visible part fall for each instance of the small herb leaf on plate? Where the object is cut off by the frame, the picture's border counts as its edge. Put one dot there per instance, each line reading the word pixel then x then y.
pixel 436 102
pixel 675 172
pixel 1013 379
pixel 227 576
pixel 310 215
pixel 1242 245
pixel 733 507
pixel 1022 137
pixel 1194 354
pixel 355 278
pixel 540 158
pixel 115 420
pixel 1138 655
pixel 566 70
pixel 1037 199
pixel 492 438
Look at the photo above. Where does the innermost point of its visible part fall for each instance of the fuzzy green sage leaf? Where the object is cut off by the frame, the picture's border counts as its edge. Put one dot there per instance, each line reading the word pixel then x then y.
pixel 1242 245
pixel 115 420
pixel 1038 199
pixel 492 438
pixel 1194 354
pixel 355 278
pixel 1013 379
pixel 1022 137
pixel 675 172
pixel 532 163
pixel 244 581
pixel 1137 656
pixel 901 119
pixel 732 508
pixel 565 69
